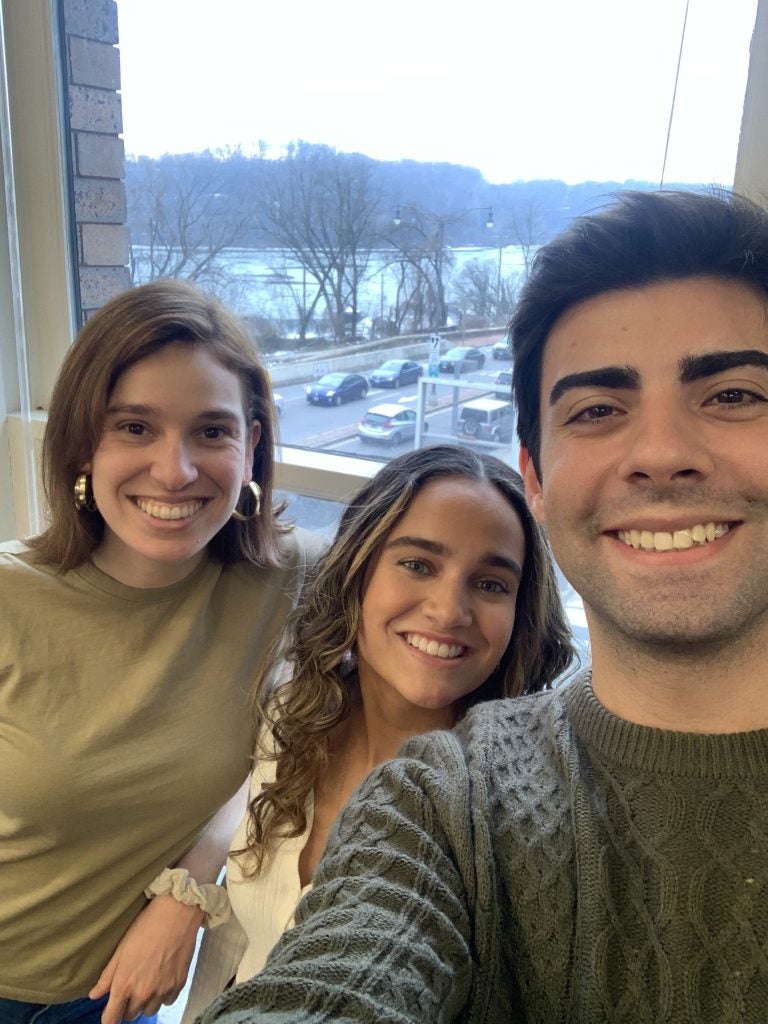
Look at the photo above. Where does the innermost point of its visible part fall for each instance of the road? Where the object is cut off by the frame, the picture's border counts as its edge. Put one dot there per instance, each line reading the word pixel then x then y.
pixel 335 428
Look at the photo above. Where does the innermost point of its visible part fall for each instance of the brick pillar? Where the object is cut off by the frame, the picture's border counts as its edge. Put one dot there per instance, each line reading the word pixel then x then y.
pixel 98 156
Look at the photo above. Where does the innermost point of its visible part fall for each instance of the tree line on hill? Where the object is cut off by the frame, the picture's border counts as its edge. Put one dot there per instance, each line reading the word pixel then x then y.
pixel 340 217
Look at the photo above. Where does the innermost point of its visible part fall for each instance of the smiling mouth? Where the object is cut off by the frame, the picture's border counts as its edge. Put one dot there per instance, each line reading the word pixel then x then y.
pixel 679 540
pixel 162 510
pixel 433 647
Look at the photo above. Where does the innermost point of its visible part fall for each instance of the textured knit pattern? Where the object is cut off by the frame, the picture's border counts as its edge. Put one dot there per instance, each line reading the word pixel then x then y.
pixel 546 862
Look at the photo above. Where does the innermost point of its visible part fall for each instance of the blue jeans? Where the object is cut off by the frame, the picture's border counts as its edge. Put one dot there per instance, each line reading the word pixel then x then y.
pixel 78 1011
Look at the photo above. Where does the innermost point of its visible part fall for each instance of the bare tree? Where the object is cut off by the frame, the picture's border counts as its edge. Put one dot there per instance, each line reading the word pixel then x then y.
pixel 480 290
pixel 183 215
pixel 414 308
pixel 319 206
pixel 527 228
pixel 418 238
pixel 476 288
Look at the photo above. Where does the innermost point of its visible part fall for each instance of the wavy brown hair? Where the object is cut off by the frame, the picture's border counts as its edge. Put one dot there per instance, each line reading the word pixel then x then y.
pixel 132 326
pixel 295 721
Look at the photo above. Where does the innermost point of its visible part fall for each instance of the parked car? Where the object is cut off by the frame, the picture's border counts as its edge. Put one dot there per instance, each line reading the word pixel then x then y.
pixel 461 359
pixel 335 388
pixel 279 401
pixel 487 419
pixel 395 373
pixel 502 349
pixel 504 377
pixel 389 423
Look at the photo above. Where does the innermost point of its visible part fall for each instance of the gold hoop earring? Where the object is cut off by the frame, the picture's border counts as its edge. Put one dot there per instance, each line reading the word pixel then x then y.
pixel 255 492
pixel 83 494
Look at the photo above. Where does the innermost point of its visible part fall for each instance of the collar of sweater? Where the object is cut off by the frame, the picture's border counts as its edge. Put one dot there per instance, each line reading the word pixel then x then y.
pixel 661 751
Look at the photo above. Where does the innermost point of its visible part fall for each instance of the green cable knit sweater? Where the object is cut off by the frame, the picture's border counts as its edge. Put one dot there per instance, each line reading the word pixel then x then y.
pixel 544 862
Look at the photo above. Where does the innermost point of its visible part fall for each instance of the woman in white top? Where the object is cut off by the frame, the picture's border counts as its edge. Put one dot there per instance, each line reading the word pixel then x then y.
pixel 438 592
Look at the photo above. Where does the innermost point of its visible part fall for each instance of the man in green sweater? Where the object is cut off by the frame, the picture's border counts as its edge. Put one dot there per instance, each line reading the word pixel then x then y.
pixel 598 853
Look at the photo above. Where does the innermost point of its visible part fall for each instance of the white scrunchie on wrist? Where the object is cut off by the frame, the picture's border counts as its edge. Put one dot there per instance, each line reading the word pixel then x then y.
pixel 213 900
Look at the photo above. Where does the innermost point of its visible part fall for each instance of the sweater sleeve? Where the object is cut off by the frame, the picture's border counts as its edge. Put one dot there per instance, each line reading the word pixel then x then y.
pixel 385 933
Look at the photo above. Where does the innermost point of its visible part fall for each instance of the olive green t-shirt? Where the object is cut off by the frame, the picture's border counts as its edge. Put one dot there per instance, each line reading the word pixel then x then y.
pixel 124 725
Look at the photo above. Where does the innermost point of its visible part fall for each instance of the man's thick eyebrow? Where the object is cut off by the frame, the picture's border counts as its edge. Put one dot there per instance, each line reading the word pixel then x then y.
pixel 435 548
pixel 612 377
pixel 693 368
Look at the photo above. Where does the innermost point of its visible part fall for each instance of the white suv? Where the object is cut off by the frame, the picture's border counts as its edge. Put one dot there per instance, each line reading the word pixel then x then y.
pixel 487 419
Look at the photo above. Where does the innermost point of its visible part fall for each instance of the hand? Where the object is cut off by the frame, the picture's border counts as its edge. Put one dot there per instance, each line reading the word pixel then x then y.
pixel 151 962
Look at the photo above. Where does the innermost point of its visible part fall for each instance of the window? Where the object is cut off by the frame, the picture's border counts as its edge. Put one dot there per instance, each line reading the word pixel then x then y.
pixel 354 192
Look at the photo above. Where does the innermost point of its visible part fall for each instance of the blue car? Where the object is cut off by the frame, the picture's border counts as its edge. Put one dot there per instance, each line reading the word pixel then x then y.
pixel 336 388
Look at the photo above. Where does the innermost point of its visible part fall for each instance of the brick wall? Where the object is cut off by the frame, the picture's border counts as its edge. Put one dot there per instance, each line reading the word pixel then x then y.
pixel 93 77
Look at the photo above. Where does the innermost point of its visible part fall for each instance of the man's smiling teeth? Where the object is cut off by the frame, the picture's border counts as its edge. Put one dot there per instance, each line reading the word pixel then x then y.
pixel 702 533
pixel 433 647
pixel 159 510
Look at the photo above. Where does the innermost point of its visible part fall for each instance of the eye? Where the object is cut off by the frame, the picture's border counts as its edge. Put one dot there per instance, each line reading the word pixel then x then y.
pixel 736 396
pixel 215 433
pixel 492 587
pixel 414 565
pixel 135 429
pixel 592 413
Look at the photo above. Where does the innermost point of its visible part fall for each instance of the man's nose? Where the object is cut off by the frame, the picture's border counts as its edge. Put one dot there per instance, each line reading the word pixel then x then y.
pixel 666 443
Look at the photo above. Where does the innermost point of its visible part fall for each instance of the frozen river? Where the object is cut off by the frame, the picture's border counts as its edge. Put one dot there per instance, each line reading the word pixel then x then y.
pixel 271 283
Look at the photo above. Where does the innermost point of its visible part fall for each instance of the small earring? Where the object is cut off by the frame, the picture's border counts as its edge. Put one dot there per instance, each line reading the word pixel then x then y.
pixel 348 663
pixel 255 491
pixel 83 495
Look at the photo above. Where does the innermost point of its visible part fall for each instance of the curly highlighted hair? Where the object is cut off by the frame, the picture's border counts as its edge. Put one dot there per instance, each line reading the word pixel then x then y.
pixel 296 720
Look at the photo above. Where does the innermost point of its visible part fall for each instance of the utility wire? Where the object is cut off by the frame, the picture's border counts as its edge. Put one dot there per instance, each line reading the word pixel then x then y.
pixel 674 96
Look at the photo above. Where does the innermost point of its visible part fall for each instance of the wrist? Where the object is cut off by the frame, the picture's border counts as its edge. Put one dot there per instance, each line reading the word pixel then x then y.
pixel 187 914
pixel 208 904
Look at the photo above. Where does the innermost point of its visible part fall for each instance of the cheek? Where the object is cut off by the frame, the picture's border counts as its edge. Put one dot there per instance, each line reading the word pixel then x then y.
pixel 231 471
pixel 109 468
pixel 370 615
pixel 500 632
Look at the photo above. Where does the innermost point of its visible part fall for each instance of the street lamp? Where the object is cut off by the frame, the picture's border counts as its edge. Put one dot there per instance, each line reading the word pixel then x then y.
pixel 490 224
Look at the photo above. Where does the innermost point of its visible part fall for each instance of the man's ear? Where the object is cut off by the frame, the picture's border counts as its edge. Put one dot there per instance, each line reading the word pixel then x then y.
pixel 533 491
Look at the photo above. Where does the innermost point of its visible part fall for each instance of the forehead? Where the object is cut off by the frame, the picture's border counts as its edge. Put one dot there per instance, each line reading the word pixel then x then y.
pixel 462 512
pixel 651 329
pixel 446 490
pixel 180 371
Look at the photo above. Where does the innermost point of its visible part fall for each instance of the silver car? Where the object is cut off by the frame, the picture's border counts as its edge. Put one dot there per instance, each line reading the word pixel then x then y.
pixel 389 424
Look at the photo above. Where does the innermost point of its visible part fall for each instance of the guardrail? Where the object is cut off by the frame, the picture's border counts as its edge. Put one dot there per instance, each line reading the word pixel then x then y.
pixel 369 355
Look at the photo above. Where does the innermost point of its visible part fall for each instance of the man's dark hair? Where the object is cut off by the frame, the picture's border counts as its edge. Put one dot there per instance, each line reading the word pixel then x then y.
pixel 643 238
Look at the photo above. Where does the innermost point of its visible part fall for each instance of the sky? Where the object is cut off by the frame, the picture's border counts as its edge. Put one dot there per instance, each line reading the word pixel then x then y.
pixel 570 89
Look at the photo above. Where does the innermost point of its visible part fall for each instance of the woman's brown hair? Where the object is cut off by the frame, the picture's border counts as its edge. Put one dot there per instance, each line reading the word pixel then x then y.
pixel 130 327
